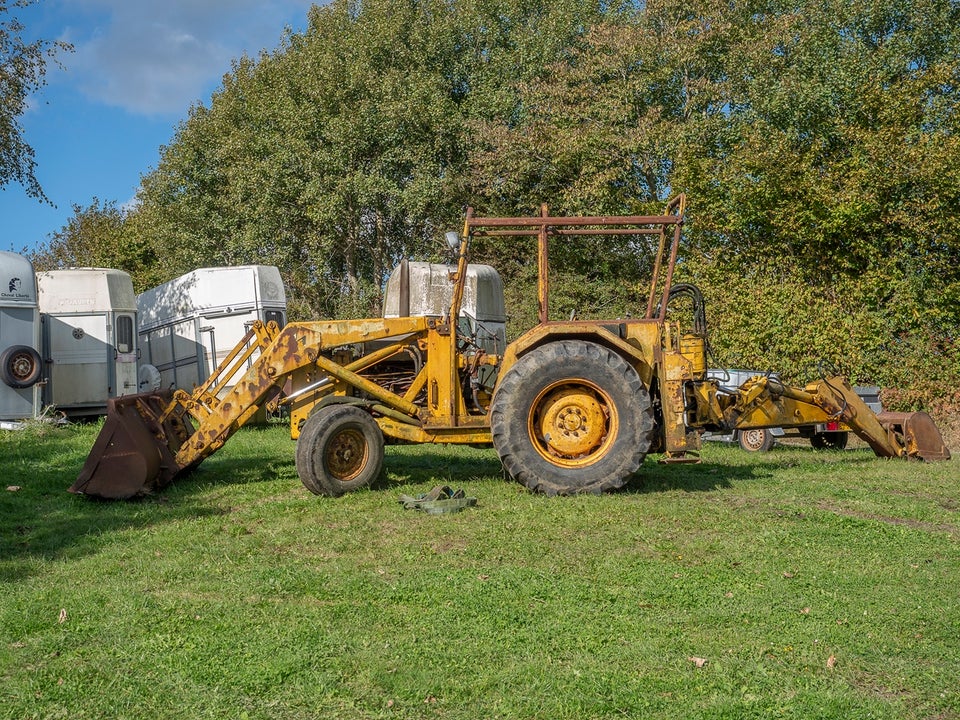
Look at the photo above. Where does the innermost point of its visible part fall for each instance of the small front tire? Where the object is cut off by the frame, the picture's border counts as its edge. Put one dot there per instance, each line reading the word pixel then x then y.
pixel 340 449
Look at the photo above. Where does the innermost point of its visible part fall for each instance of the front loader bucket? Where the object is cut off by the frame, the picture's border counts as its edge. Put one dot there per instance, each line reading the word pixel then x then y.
pixel 135 451
pixel 917 433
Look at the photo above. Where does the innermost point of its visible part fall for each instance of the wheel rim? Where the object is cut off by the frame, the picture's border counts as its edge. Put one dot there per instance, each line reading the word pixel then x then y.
pixel 754 439
pixel 346 454
pixel 572 423
pixel 21 366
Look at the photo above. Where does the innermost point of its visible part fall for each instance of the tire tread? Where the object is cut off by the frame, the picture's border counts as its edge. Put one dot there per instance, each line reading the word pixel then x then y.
pixel 521 460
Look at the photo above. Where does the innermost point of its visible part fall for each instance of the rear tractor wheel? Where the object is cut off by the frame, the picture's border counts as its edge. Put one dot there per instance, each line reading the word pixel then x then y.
pixel 340 449
pixel 572 417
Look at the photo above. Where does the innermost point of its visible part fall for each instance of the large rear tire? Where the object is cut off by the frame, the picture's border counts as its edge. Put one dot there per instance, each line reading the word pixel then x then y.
pixel 340 449
pixel 572 417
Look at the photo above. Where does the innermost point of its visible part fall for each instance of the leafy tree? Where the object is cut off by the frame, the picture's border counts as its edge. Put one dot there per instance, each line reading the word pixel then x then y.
pixel 817 142
pixel 601 131
pixel 98 236
pixel 23 68
pixel 828 198
pixel 345 149
pixel 835 110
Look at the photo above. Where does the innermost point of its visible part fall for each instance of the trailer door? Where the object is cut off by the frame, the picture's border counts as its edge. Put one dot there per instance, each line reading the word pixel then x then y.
pixel 77 355
pixel 125 351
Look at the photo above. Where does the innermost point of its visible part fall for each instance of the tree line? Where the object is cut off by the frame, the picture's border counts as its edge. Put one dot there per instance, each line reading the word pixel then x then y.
pixel 817 143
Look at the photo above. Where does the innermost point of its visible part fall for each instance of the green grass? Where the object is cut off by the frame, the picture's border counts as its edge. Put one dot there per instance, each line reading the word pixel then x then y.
pixel 815 585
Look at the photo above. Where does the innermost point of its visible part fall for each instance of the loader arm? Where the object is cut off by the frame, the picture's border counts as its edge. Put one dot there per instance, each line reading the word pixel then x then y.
pixel 150 439
pixel 766 402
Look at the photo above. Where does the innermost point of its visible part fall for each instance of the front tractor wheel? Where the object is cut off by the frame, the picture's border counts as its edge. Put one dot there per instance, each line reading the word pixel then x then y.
pixel 572 417
pixel 340 449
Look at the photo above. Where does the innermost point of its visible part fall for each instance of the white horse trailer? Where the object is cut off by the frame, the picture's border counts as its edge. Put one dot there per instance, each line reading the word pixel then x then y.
pixel 89 338
pixel 20 365
pixel 188 325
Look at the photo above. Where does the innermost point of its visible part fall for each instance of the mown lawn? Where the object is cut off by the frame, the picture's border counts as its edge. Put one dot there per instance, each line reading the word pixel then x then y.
pixel 795 584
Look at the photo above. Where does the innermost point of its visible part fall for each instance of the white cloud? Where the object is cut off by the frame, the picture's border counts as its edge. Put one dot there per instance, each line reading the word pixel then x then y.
pixel 155 58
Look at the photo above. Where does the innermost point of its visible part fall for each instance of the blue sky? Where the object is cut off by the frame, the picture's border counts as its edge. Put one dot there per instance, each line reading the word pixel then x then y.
pixel 136 69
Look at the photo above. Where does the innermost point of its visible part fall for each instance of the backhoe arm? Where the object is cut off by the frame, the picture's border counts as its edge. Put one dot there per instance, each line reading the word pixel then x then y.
pixel 765 402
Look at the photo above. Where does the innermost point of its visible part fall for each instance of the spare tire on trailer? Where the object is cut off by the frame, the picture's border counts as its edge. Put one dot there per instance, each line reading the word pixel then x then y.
pixel 149 378
pixel 20 366
pixel 572 417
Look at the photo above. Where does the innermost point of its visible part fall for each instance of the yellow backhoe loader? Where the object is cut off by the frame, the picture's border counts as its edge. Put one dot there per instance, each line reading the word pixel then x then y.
pixel 570 406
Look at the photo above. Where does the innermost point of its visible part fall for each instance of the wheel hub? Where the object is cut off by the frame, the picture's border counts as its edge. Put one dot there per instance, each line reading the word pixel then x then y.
pixel 346 455
pixel 572 422
pixel 21 366
pixel 754 438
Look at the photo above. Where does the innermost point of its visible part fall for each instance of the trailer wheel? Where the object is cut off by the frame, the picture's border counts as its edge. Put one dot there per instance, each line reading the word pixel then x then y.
pixel 835 440
pixel 340 449
pixel 756 440
pixel 20 366
pixel 572 417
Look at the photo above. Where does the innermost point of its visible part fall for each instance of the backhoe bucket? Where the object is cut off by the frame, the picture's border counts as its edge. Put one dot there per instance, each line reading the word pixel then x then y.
pixel 135 452
pixel 917 433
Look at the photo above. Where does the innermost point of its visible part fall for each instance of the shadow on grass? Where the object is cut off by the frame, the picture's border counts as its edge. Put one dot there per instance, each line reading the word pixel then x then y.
pixel 654 477
pixel 721 470
pixel 40 520
pixel 437 465
pixel 431 464
pixel 55 528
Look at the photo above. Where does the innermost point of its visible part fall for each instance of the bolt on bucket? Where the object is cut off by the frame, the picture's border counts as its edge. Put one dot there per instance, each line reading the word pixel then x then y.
pixel 135 451
pixel 917 433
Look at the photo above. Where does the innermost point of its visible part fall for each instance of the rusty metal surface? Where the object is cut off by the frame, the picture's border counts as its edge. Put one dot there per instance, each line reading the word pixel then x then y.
pixel 764 402
pixel 134 452
pixel 667 226
pixel 917 433
pixel 149 439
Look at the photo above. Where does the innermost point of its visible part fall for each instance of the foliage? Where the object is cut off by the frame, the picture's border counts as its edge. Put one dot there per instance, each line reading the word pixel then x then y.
pixel 771 318
pixel 23 68
pixel 812 585
pixel 99 236
pixel 817 142
pixel 818 146
pixel 589 135
pixel 339 153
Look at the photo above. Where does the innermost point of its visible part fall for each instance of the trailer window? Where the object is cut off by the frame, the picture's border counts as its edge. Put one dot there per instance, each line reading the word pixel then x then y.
pixel 124 334
pixel 274 315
